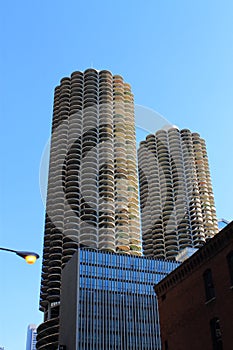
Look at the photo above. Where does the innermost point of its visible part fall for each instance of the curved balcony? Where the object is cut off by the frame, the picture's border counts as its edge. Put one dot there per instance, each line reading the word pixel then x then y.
pixel 121 248
pixel 199 237
pixel 47 335
pixel 185 242
pixel 107 207
pixel 90 89
pixel 90 218
pixel 105 75
pixel 120 239
pixel 171 253
pixel 107 247
pixel 54 282
pixel 118 80
pixel 77 76
pixel 53 294
pixel 106 223
pixel 88 211
pixel 88 234
pixel 72 189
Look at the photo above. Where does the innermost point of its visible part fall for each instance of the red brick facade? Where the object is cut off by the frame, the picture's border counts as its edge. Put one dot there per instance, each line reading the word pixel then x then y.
pixel 185 313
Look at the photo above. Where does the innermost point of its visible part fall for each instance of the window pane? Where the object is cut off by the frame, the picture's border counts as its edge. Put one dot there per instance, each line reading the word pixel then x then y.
pixel 230 266
pixel 209 285
pixel 216 334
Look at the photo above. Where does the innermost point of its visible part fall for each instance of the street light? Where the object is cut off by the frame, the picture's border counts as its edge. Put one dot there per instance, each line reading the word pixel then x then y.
pixel 30 257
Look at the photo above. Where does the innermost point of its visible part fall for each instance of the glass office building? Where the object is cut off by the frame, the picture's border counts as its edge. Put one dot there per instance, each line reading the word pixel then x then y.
pixel 31 337
pixel 108 301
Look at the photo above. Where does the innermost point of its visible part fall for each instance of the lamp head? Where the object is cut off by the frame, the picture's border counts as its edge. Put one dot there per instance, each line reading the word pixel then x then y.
pixel 29 257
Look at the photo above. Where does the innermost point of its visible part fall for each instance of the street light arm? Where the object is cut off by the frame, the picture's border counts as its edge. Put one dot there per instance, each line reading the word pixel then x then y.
pixel 8 250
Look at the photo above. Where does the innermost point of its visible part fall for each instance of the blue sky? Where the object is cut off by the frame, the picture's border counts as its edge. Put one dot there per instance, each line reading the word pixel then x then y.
pixel 176 54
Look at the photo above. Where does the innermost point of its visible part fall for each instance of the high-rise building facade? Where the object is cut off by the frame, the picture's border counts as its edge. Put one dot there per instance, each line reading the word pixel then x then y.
pixel 92 196
pixel 113 305
pixel 176 196
pixel 31 337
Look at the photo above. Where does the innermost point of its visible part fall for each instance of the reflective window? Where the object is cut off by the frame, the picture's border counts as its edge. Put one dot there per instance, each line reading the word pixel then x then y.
pixel 118 286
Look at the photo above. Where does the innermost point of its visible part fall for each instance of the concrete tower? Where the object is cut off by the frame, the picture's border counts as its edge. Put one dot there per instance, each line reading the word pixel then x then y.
pixel 177 203
pixel 92 197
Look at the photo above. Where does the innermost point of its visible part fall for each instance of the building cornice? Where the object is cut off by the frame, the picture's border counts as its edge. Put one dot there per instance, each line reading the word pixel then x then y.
pixel 210 249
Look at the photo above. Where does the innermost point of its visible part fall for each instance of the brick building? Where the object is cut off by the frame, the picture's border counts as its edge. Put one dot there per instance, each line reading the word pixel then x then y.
pixel 196 299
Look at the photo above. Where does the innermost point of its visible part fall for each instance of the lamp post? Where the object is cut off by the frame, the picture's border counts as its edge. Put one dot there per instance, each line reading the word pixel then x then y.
pixel 30 257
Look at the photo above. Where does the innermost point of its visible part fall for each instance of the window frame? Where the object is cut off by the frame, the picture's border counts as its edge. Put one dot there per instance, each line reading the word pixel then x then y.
pixel 209 285
pixel 216 334
pixel 230 265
